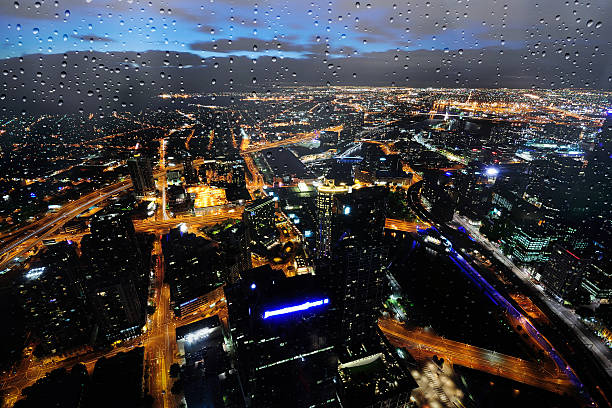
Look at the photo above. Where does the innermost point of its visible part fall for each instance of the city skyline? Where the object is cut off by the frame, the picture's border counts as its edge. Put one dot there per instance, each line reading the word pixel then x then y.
pixel 94 54
pixel 334 204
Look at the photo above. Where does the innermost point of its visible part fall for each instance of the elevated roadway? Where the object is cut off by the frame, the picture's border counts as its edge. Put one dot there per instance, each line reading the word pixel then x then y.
pixel 299 138
pixel 424 344
pixel 26 238
pixel 404 226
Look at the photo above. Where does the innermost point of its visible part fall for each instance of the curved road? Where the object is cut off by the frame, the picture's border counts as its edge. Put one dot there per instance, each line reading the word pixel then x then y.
pixel 515 317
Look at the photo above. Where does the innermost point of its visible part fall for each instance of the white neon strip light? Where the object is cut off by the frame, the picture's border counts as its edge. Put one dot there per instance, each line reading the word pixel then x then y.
pixel 296 308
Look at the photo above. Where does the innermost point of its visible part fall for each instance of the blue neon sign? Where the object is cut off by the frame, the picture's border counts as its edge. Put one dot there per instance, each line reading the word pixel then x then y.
pixel 296 308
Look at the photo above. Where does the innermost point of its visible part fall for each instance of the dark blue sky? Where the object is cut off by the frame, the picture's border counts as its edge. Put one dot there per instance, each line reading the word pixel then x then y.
pixel 53 26
pixel 475 43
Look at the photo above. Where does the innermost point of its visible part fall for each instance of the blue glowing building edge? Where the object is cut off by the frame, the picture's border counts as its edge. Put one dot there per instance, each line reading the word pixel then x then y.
pixel 296 308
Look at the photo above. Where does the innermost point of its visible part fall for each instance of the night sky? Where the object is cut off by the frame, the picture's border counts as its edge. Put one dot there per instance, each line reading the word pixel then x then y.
pixel 109 54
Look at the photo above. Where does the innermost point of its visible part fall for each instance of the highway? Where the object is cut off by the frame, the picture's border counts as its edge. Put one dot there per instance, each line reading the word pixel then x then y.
pixel 159 226
pixel 35 233
pixel 595 347
pixel 403 225
pixel 514 317
pixel 599 349
pixel 302 137
pixel 424 344
pixel 299 138
pixel 154 226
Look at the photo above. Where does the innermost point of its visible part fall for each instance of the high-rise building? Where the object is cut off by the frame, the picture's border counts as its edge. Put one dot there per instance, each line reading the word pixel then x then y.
pixel 281 331
pixel 471 191
pixel 141 173
pixel 235 247
pixel 435 186
pixel 529 243
pixel 115 275
pixel 259 219
pixel 597 281
pixel 562 274
pixel 325 206
pixel 551 185
pixel 194 267
pixel 54 300
pixel 355 271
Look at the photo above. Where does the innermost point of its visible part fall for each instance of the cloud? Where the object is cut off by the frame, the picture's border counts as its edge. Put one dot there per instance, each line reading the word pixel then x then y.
pixel 248 44
pixel 93 38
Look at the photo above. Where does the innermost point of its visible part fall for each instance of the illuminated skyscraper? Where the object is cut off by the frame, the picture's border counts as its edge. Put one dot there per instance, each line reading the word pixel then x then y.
pixel 325 206
pixel 141 173
pixel 281 332
pixel 258 218
pixel 358 258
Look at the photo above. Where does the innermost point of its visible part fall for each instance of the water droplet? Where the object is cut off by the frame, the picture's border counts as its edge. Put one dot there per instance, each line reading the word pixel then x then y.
pixel 35 31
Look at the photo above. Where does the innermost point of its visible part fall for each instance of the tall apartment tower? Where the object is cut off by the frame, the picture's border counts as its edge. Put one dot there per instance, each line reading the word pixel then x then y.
pixel 325 210
pixel 141 173
pixel 115 276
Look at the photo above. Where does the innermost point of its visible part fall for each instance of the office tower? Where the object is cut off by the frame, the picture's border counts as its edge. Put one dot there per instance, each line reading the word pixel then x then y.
pixel 435 186
pixel 529 243
pixel 597 280
pixel 562 274
pixel 141 173
pixel 54 301
pixel 115 275
pixel 281 332
pixel 324 206
pixel 358 257
pixel 207 365
pixel 551 185
pixel 471 192
pixel 235 247
pixel 259 219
